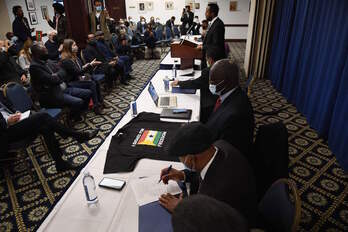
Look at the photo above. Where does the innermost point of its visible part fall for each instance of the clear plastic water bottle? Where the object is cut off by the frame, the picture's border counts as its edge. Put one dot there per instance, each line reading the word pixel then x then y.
pixel 90 188
pixel 174 69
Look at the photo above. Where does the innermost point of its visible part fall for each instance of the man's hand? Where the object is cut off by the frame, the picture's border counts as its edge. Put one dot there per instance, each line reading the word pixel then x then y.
pixel 169 201
pixel 174 174
pixel 199 47
pixel 113 63
pixel 13 119
pixel 24 78
pixel 174 83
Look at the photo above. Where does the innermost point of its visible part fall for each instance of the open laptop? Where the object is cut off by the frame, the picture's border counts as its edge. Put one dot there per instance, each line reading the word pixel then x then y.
pixel 164 101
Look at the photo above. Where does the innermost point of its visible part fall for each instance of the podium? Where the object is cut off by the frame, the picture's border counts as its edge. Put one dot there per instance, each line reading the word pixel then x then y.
pixel 187 51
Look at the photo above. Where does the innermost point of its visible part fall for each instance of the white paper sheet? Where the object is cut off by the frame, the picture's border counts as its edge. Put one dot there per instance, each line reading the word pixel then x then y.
pixel 147 190
pixel 25 115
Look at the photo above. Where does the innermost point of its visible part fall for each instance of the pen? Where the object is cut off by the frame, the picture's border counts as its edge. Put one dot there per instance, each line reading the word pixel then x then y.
pixel 169 168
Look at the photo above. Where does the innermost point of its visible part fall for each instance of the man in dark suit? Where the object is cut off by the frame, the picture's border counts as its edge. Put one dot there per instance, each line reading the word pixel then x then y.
pixel 9 69
pixel 170 24
pixel 215 35
pixel 20 25
pixel 141 25
pixel 59 22
pixel 186 19
pixel 208 99
pixel 215 169
pixel 232 118
pixel 200 213
pixel 47 81
pixel 13 129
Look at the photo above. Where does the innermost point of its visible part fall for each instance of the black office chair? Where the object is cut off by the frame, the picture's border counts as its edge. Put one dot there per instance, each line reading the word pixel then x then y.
pixel 280 207
pixel 270 160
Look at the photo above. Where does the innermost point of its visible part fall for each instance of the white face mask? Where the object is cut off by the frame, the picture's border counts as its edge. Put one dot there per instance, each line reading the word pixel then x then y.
pixel 29 50
pixel 74 49
pixel 213 88
pixel 3 49
pixel 192 169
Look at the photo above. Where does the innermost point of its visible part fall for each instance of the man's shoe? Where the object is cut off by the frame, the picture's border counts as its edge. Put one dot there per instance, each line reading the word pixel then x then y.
pixel 85 136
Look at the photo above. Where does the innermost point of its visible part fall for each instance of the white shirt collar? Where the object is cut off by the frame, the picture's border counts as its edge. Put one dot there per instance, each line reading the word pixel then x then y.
pixel 206 167
pixel 213 20
pixel 225 95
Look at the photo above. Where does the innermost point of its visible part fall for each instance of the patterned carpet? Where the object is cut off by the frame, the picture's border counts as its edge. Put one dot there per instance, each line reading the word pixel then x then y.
pixel 321 182
pixel 25 203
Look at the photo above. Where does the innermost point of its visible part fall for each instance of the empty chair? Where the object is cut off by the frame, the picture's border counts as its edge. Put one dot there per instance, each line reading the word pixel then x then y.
pixel 280 207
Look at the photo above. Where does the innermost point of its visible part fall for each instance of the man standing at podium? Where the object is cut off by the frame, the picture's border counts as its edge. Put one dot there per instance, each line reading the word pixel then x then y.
pixel 215 35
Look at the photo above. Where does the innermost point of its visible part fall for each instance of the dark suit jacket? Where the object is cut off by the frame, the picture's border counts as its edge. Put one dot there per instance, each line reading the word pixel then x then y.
pixel 91 52
pixel 9 69
pixel 141 28
pixel 215 37
pixel 208 100
pixel 233 121
pixel 21 29
pixel 170 25
pixel 45 80
pixel 229 179
pixel 62 31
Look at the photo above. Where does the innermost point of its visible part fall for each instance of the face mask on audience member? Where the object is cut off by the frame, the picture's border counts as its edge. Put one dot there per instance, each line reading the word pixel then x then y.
pixel 98 8
pixel 92 42
pixel 14 39
pixel 213 88
pixel 75 49
pixel 2 49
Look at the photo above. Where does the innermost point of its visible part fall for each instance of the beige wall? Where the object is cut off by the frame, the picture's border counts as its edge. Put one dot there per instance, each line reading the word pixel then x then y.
pixel 5 24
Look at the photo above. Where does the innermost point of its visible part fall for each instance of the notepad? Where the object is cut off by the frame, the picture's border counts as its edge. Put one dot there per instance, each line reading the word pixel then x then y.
pixel 147 190
pixel 25 115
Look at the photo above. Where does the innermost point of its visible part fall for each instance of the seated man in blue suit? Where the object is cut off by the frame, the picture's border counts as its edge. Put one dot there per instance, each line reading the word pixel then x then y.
pixel 232 118
pixel 123 61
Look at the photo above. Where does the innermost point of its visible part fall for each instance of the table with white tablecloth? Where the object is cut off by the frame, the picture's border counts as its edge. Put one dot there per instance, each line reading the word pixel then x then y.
pixel 115 210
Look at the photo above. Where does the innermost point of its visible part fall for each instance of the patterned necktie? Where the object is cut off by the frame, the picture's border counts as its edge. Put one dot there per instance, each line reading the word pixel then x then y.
pixel 217 104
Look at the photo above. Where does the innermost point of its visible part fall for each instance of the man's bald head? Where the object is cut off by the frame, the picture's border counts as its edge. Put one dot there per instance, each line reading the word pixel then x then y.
pixel 224 74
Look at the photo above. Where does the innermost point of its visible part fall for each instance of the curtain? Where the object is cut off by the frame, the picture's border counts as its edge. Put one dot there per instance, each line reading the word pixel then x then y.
pixel 309 65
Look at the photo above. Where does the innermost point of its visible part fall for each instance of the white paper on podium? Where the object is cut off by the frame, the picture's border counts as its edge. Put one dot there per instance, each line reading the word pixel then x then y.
pixel 147 190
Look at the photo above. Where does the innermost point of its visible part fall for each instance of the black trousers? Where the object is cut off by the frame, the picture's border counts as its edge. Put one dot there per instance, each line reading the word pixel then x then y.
pixel 40 123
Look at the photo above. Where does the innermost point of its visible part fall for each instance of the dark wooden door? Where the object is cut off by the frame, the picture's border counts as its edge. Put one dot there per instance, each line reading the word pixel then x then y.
pixel 116 9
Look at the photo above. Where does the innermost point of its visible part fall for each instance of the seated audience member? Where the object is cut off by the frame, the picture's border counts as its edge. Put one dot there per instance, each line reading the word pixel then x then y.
pixel 215 169
pixel 196 26
pixel 124 49
pixel 170 25
pixel 77 73
pixel 158 25
pixel 208 99
pixel 24 57
pixel 129 31
pixel 204 28
pixel 52 46
pixel 150 40
pixel 48 84
pixel 12 129
pixel 201 213
pixel 152 23
pixel 122 61
pixel 9 69
pixel 14 48
pixel 141 25
pixel 108 67
pixel 232 118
